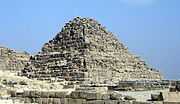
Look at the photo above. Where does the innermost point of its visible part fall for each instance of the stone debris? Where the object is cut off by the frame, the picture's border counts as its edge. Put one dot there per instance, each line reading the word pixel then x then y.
pixel 157 97
pixel 85 51
pixel 116 96
pixel 175 86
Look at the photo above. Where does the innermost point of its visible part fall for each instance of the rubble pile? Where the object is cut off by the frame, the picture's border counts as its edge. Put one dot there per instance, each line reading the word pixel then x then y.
pixel 11 60
pixel 85 51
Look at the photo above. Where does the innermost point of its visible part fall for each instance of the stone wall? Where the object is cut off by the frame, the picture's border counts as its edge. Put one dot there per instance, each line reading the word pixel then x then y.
pixel 76 97
pixel 140 85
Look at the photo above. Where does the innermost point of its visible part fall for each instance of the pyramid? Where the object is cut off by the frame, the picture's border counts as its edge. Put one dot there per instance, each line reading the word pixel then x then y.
pixel 85 51
pixel 11 60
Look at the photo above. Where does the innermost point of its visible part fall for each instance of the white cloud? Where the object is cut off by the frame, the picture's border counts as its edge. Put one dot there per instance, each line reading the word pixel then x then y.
pixel 138 2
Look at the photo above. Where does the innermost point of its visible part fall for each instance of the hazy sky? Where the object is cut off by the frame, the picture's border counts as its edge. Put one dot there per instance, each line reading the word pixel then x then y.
pixel 150 28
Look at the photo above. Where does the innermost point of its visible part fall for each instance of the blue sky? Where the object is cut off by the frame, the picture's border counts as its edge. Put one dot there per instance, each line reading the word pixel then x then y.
pixel 149 28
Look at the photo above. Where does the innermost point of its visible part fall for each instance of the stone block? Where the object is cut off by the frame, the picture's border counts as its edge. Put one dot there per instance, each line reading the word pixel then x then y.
pixel 124 102
pixel 129 98
pixel 27 100
pixel 12 93
pixel 111 102
pixel 52 94
pixel 26 93
pixel 50 100
pixel 44 100
pixel 105 96
pixel 44 94
pixel 115 96
pixel 136 102
pixel 57 101
pixel 88 95
pixel 34 94
pixel 61 94
pixel 96 102
pixel 76 101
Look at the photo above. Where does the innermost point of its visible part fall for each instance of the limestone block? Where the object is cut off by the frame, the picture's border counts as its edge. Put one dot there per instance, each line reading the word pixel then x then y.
pixel 45 100
pixel 61 94
pixel 96 102
pixel 111 102
pixel 76 101
pixel 57 101
pixel 52 94
pixel 34 94
pixel 115 96
pixel 44 94
pixel 50 100
pixel 27 100
pixel 26 93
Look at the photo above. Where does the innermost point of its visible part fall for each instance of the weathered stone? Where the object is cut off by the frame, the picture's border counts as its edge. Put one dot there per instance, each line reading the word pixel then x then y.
pixel 124 102
pixel 56 101
pixel 44 94
pixel 27 100
pixel 115 96
pixel 111 102
pixel 61 94
pixel 96 102
pixel 26 93
pixel 45 100
pixel 157 97
pixel 52 94
pixel 76 101
pixel 89 95
pixel 23 83
pixel 50 100
pixel 136 102
pixel 105 96
pixel 12 93
pixel 85 51
pixel 12 60
pixel 129 98
pixel 35 94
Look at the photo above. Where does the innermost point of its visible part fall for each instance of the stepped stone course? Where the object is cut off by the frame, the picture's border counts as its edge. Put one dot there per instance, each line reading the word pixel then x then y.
pixel 85 51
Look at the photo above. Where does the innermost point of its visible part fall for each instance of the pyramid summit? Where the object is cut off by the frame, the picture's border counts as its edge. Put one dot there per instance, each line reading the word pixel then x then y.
pixel 85 51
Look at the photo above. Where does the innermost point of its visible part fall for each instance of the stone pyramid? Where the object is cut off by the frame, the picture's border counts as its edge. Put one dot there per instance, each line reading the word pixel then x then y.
pixel 11 60
pixel 85 50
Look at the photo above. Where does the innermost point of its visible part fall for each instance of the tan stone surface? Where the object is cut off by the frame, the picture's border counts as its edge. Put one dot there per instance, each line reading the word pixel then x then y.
pixel 85 50
pixel 12 60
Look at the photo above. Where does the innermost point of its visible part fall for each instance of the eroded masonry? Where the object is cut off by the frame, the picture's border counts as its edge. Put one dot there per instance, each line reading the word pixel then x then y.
pixel 12 60
pixel 85 51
